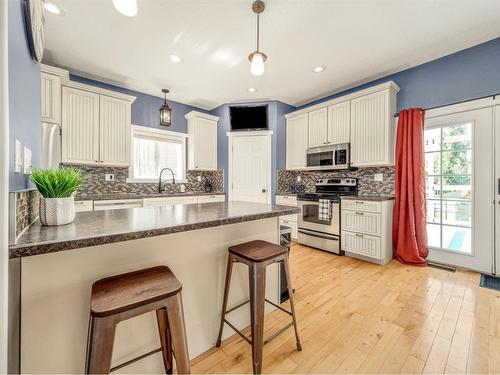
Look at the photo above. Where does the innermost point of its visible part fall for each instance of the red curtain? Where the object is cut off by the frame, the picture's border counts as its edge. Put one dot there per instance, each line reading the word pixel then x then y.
pixel 409 237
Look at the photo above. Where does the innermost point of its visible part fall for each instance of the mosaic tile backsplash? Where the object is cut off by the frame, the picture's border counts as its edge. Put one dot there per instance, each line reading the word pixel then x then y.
pixel 26 209
pixel 95 184
pixel 365 176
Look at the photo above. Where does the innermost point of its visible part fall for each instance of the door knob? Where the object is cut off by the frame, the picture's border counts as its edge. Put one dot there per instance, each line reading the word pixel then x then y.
pixel 264 190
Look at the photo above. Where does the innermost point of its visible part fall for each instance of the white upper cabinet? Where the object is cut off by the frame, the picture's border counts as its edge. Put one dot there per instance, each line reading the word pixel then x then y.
pixel 114 131
pixel 296 141
pixel 95 127
pixel 363 118
pixel 51 98
pixel 317 131
pixel 339 123
pixel 80 126
pixel 51 80
pixel 373 129
pixel 202 141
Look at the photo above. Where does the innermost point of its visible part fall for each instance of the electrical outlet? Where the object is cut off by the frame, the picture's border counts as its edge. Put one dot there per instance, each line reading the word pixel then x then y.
pixel 299 179
pixel 109 177
pixel 378 177
pixel 199 178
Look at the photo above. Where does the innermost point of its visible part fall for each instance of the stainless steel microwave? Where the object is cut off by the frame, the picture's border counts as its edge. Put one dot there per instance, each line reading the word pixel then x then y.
pixel 329 157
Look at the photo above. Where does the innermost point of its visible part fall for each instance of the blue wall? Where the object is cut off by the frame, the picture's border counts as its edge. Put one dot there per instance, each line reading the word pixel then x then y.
pixel 464 75
pixel 145 109
pixel 276 118
pixel 24 96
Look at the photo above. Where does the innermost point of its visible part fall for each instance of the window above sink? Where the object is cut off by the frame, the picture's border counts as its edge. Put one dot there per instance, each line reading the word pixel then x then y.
pixel 154 149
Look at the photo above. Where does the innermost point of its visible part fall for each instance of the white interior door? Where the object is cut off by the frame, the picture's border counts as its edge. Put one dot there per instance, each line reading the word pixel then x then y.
pixel 459 165
pixel 250 168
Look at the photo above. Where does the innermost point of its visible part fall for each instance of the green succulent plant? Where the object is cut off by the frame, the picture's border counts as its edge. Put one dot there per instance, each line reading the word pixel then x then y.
pixel 57 183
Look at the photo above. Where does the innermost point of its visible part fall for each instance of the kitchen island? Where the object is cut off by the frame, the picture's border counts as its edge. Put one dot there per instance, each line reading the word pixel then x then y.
pixel 59 264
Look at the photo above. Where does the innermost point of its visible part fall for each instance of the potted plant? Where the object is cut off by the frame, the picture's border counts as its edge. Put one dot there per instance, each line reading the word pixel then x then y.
pixel 57 186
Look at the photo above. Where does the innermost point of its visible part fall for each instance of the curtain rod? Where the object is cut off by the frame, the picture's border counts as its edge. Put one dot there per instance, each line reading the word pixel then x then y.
pixel 463 101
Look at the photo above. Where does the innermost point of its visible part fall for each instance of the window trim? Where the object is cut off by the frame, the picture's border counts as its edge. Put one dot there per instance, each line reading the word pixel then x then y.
pixel 157 133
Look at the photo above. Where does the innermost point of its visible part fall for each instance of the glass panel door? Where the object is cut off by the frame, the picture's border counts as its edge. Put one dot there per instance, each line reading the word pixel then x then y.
pixel 459 178
pixel 448 167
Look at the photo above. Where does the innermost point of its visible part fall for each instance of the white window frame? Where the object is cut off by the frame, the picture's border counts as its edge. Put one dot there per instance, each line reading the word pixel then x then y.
pixel 157 133
pixel 473 225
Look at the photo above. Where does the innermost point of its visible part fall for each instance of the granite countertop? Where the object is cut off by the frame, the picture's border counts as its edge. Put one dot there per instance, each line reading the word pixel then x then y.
pixel 375 198
pixel 102 227
pixel 101 197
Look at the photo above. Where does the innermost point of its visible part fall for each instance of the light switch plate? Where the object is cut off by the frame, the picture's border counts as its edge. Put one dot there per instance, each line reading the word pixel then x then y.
pixel 27 160
pixel 18 157
pixel 109 177
pixel 378 177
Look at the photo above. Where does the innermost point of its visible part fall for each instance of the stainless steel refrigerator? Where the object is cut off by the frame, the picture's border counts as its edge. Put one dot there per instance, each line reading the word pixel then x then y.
pixel 51 145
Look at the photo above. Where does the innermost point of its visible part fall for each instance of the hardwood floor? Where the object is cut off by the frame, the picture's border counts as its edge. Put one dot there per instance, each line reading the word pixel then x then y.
pixel 357 317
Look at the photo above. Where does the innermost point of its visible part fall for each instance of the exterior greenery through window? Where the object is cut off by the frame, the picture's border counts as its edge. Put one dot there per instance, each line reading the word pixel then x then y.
pixel 448 166
pixel 155 149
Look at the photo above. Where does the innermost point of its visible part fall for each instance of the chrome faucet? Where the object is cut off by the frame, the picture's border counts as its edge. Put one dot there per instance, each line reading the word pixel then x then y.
pixel 160 189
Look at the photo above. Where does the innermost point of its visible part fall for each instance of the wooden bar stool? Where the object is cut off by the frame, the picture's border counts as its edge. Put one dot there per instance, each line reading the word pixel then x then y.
pixel 118 298
pixel 257 255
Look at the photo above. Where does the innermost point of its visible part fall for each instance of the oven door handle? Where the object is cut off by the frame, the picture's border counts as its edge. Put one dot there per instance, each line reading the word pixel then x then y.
pixel 320 235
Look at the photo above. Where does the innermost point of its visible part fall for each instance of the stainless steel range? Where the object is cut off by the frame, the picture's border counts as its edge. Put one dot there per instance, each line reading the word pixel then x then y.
pixel 316 228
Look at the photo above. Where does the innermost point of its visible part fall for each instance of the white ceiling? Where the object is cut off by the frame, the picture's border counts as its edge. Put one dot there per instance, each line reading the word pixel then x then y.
pixel 357 40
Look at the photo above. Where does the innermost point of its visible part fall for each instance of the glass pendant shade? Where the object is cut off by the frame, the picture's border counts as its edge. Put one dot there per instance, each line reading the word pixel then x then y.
pixel 165 111
pixel 257 60
pixel 165 115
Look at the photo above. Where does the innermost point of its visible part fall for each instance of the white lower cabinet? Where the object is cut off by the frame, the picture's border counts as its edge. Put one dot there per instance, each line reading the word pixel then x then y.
pixel 185 200
pixel 117 204
pixel 292 225
pixel 146 202
pixel 211 198
pixel 191 199
pixel 359 221
pixel 366 229
pixel 288 220
pixel 166 201
pixel 361 244
pixel 154 202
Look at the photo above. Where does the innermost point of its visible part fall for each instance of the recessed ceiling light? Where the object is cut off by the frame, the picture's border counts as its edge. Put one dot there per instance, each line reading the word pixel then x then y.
pixel 126 7
pixel 175 59
pixel 318 69
pixel 52 8
pixel 252 89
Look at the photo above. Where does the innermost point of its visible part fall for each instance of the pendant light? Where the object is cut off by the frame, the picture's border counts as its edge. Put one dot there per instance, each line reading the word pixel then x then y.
pixel 257 58
pixel 165 111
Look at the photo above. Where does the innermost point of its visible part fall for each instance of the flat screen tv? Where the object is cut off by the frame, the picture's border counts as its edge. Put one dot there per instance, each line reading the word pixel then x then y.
pixel 248 117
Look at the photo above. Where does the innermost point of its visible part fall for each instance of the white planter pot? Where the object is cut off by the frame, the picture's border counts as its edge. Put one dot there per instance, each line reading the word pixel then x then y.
pixel 57 211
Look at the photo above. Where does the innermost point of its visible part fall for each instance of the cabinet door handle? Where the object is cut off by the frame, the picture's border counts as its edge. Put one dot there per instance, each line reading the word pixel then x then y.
pixel 360 202
pixel 359 235
pixel 360 213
